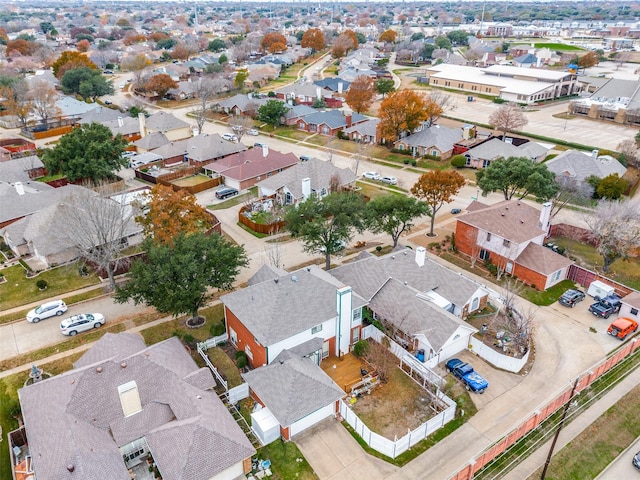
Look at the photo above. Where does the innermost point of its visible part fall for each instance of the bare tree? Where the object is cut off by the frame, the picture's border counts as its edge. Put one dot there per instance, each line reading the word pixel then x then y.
pixel 569 191
pixel 44 98
pixel 240 124
pixel 205 90
pixel 136 65
pixel 17 100
pixel 99 227
pixel 629 149
pixel 518 323
pixel 508 118
pixel 381 358
pixel 504 257
pixel 275 255
pixel 615 225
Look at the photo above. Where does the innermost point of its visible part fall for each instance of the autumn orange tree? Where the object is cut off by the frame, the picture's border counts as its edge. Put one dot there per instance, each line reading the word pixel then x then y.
pixel 388 36
pixel 436 188
pixel 313 39
pixel 70 60
pixel 433 110
pixel 588 60
pixel 83 45
pixel 360 94
pixel 171 213
pixel 274 42
pixel 161 84
pixel 401 111
pixel 22 46
pixel 346 41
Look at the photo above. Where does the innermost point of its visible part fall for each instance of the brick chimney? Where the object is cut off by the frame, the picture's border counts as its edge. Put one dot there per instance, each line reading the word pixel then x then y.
pixel 348 117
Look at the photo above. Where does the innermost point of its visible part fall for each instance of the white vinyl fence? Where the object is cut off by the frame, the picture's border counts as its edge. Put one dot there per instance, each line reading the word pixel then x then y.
pixel 505 362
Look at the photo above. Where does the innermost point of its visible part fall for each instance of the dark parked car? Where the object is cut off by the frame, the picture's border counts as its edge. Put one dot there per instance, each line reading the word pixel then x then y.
pixel 636 460
pixel 571 297
pixel 226 192
pixel 455 210
pixel 605 307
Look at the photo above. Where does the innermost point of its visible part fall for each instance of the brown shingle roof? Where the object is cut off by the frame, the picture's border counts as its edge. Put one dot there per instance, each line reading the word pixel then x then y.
pixel 542 260
pixel 511 219
pixel 252 163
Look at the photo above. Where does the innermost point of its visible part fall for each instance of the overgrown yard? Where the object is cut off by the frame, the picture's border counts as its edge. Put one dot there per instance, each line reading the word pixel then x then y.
pixel 190 180
pixel 20 290
pixel 392 408
pixel 623 271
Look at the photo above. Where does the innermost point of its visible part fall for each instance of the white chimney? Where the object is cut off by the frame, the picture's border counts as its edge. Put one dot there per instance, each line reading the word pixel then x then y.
pixel 595 153
pixel 545 217
pixel 421 254
pixel 344 306
pixel 19 188
pixel 143 124
pixel 306 188
pixel 340 87
pixel 465 133
pixel 120 122
pixel 318 93
pixel 265 150
pixel 129 398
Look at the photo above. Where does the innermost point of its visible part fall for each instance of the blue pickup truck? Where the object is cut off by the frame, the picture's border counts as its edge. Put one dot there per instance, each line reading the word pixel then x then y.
pixel 472 380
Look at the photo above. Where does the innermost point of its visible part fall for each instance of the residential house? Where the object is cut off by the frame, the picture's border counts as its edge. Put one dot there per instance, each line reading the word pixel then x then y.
pixel 306 307
pixel 261 74
pixel 482 154
pixel 124 403
pixel 307 94
pixel 350 73
pixel 185 90
pixel 312 177
pixel 333 84
pixel 436 141
pixel 510 234
pixel 527 60
pixel 365 132
pixel 70 108
pixel 631 306
pixel 20 199
pixel 198 150
pixel 329 122
pixel 172 127
pixel 39 235
pixel 277 388
pixel 11 148
pixel 128 127
pixel 580 165
pixel 21 169
pixel 244 169
pixel 240 105
pixel 99 114
pixel 297 112
pixel 150 142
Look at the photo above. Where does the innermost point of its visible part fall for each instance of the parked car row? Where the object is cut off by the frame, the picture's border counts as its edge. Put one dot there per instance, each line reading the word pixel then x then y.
pixel 383 179
pixel 69 326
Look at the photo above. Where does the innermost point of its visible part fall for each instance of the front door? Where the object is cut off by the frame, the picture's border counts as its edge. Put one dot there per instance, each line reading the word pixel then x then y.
pixel 325 349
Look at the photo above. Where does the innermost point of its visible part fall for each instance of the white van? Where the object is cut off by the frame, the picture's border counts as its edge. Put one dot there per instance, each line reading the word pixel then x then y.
pixel 599 289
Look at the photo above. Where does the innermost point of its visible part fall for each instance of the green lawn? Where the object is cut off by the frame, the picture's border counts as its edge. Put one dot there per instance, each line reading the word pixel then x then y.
pixel 373 190
pixel 558 46
pixel 623 271
pixel 20 290
pixel 287 462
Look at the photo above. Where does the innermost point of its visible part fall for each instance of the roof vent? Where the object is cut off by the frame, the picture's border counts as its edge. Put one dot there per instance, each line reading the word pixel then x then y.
pixel 506 208
pixel 276 280
pixel 99 369
pixel 521 221
pixel 502 214
pixel 393 257
pixel 294 278
pixel 198 397
pixel 308 269
pixel 71 467
pixel 281 362
pixel 123 365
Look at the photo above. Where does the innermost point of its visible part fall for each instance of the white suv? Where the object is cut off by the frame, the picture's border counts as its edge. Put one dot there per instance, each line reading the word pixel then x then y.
pixel 46 310
pixel 229 137
pixel 80 323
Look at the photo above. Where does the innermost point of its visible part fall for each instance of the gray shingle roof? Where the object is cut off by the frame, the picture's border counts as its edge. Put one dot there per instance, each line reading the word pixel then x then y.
pixel 332 83
pixel 443 138
pixel 333 118
pixel 200 148
pixel 109 346
pixel 370 127
pixel 76 418
pixel 580 166
pixel 266 272
pixel 15 170
pixel 164 122
pixel 151 141
pixel 299 111
pixel 367 276
pixel 37 196
pixel 293 388
pixel 318 171
pixel 242 102
pixel 273 311
pixel 399 305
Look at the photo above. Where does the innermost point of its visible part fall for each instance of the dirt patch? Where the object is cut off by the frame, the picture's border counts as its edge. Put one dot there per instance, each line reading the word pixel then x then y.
pixel 393 408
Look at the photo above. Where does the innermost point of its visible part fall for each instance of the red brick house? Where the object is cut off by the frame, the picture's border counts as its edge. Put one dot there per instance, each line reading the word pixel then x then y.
pixel 329 122
pixel 511 235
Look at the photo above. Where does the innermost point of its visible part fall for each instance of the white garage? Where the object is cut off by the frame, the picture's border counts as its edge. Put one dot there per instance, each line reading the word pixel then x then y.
pixel 311 419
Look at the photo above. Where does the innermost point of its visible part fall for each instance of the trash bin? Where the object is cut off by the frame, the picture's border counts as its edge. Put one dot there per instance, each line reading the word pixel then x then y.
pixel 484 328
pixel 420 355
pixel 469 98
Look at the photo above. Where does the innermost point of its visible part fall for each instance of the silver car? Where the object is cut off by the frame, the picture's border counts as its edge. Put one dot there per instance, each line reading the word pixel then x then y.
pixel 81 323
pixel 389 180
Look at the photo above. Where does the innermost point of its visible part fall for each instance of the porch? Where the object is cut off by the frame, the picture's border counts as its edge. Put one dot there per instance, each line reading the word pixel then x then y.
pixel 346 371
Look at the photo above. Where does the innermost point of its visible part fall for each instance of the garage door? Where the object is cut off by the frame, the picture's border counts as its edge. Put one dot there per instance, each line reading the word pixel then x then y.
pixel 311 419
pixel 232 183
pixel 456 346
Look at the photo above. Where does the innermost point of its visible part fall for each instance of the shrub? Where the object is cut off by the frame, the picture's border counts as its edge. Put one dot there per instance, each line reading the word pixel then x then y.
pixel 379 248
pixel 413 162
pixel 239 354
pixel 41 284
pixel 217 329
pixel 241 361
pixel 458 161
pixel 401 151
pixel 406 161
pixel 499 100
pixel 360 348
pixel 189 339
pixel 271 94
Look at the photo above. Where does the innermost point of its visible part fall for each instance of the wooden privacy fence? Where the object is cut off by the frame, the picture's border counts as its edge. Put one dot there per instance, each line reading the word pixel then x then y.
pixel 534 419
pixel 584 277
pixel 266 229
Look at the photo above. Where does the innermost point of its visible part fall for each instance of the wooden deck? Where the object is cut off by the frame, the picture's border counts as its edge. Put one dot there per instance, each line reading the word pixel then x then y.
pixel 345 371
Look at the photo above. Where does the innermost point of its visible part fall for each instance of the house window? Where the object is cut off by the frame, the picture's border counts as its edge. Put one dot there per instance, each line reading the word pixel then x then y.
pixel 301 125
pixel 234 336
pixel 316 329
pixel 488 237
pixel 474 303
pixel 556 276
pixel 247 350
pixel 509 267
pixel 486 163
pixel 325 349
pixel 357 315
pixel 484 254
pixel 633 311
pixel 355 335
pixel 506 243
pixel 323 192
pixel 434 153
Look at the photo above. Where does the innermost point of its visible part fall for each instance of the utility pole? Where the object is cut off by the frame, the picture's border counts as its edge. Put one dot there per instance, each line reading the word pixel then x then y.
pixel 560 425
